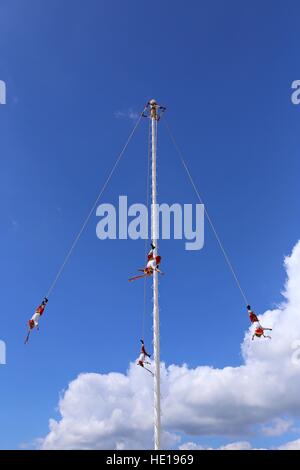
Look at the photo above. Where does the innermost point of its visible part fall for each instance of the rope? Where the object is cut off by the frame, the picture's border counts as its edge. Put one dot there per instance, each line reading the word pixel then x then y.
pixel 206 213
pixel 76 239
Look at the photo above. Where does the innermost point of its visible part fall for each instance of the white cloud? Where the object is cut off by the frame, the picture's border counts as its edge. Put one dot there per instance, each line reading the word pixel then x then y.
pixel 192 446
pixel 293 445
pixel 278 427
pixel 110 411
pixel 115 410
pixel 127 114
pixel 243 445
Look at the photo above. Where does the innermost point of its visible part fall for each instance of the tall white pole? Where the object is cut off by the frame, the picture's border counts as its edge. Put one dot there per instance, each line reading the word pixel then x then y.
pixel 156 338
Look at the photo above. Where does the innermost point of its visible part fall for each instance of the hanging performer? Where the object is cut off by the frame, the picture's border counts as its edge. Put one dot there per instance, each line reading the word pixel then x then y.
pixel 153 261
pixel 142 360
pixel 34 321
pixel 152 265
pixel 259 330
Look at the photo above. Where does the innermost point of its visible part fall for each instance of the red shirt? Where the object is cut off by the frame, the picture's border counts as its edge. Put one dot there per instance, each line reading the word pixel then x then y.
pixel 259 331
pixel 253 317
pixel 40 309
pixel 144 350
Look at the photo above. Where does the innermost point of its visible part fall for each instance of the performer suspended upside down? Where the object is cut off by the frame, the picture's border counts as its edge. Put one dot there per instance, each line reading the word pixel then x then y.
pixel 153 261
pixel 259 330
pixel 34 321
pixel 142 360
pixel 152 265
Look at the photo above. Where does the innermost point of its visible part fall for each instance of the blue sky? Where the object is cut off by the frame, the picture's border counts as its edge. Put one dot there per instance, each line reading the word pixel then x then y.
pixel 224 70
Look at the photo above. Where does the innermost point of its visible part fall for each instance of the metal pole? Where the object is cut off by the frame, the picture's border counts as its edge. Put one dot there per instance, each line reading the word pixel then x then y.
pixel 154 236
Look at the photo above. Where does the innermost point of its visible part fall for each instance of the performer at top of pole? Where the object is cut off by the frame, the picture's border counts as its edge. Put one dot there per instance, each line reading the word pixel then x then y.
pixel 154 110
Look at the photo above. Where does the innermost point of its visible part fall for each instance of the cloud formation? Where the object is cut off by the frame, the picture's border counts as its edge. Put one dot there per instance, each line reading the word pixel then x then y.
pixel 278 427
pixel 293 445
pixel 127 114
pixel 108 411
pixel 242 445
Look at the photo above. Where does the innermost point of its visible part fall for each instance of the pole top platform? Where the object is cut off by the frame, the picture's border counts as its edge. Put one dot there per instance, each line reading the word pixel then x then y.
pixel 154 110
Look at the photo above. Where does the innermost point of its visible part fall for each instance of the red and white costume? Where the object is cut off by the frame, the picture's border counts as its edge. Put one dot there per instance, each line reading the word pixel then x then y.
pixel 153 261
pixel 143 357
pixel 34 322
pixel 255 321
pixel 258 329
pixel 253 317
